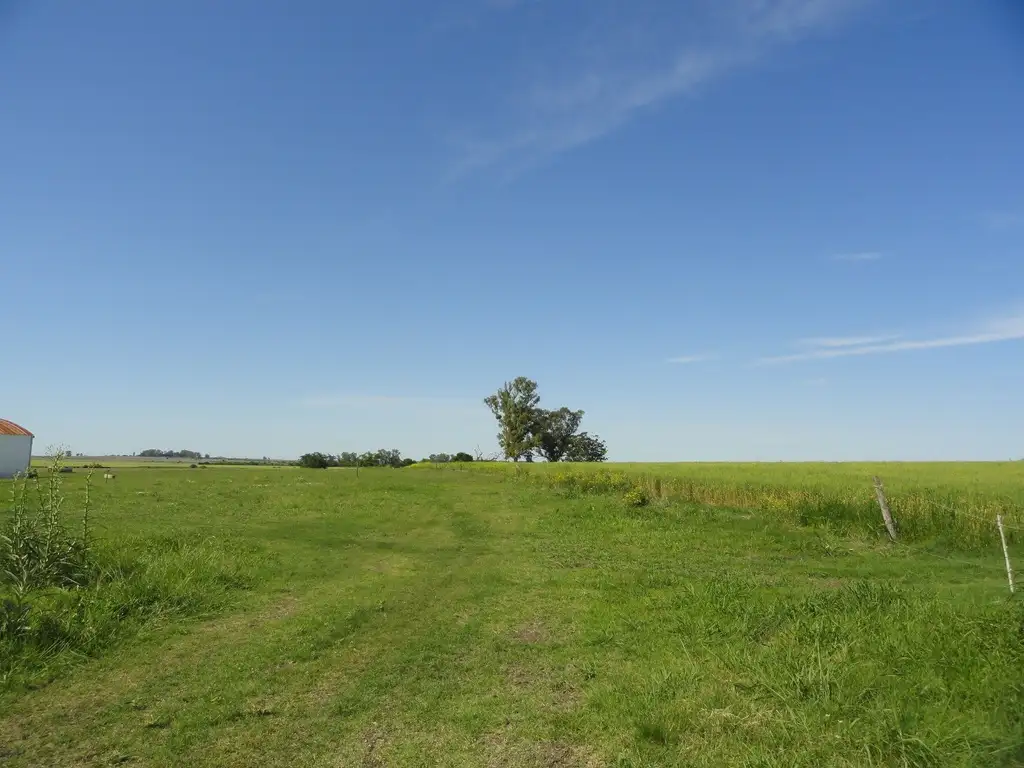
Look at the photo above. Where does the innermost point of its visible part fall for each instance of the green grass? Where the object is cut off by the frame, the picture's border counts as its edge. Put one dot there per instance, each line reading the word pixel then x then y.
pixel 413 618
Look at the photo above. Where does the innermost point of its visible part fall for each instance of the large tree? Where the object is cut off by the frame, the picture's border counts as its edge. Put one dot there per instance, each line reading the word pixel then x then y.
pixel 515 408
pixel 557 429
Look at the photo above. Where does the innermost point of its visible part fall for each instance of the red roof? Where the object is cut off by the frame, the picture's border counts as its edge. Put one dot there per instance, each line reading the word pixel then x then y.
pixel 10 428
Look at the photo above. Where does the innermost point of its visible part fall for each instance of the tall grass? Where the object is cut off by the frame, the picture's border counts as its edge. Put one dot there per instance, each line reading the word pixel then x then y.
pixel 957 518
pixel 64 595
pixel 37 550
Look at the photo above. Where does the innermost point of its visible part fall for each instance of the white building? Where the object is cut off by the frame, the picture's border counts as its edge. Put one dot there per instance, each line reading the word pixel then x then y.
pixel 15 448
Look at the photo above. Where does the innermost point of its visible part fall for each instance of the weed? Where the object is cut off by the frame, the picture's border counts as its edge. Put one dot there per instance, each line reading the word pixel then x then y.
pixel 637 497
pixel 36 548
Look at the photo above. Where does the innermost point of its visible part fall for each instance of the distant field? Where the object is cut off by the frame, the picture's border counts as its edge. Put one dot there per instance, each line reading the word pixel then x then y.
pixel 420 618
pixel 956 503
pixel 971 480
pixel 139 462
pixel 981 479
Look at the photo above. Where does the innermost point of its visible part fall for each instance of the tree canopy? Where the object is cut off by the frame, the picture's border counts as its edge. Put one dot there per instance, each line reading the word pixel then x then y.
pixel 315 460
pixel 556 432
pixel 585 447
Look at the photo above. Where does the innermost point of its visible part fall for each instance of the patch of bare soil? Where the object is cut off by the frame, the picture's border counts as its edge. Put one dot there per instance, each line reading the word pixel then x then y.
pixel 534 633
pixel 372 742
pixel 507 752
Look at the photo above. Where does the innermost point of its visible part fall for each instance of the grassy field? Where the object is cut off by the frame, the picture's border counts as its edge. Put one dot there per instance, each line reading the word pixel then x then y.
pixel 264 616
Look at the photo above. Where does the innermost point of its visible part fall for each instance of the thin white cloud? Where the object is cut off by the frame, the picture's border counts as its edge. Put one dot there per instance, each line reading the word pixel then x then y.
pixel 605 78
pixel 1007 328
pixel 791 18
pixel 831 342
pixel 858 257
pixel 575 114
pixel 687 359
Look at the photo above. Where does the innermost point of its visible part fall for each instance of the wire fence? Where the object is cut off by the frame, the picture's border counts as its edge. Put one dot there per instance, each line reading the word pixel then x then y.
pixel 996 520
pixel 968 512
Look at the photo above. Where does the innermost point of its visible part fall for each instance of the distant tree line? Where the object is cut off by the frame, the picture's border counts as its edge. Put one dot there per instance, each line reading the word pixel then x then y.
pixel 156 453
pixel 446 458
pixel 382 458
pixel 526 430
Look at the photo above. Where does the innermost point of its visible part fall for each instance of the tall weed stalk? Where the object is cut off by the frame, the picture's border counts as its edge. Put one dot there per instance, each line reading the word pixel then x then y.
pixel 37 550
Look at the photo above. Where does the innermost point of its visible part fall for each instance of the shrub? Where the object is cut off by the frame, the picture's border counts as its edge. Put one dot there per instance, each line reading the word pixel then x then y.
pixel 637 497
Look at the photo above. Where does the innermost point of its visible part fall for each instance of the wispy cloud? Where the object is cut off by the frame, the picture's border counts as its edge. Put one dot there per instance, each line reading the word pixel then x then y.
pixel 832 342
pixel 622 66
pixel 1006 328
pixel 687 359
pixel 858 256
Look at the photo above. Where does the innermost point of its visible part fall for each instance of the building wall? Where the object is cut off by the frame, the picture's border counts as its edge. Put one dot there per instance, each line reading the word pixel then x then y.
pixel 15 454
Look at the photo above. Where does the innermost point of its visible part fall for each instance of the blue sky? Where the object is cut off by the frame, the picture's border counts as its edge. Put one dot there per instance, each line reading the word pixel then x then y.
pixel 740 229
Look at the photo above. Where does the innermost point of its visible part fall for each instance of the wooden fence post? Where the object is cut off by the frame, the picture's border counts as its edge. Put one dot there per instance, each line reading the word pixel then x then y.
pixel 890 524
pixel 1006 552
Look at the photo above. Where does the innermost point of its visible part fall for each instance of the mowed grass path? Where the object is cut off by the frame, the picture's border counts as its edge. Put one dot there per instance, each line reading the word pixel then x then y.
pixel 458 619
